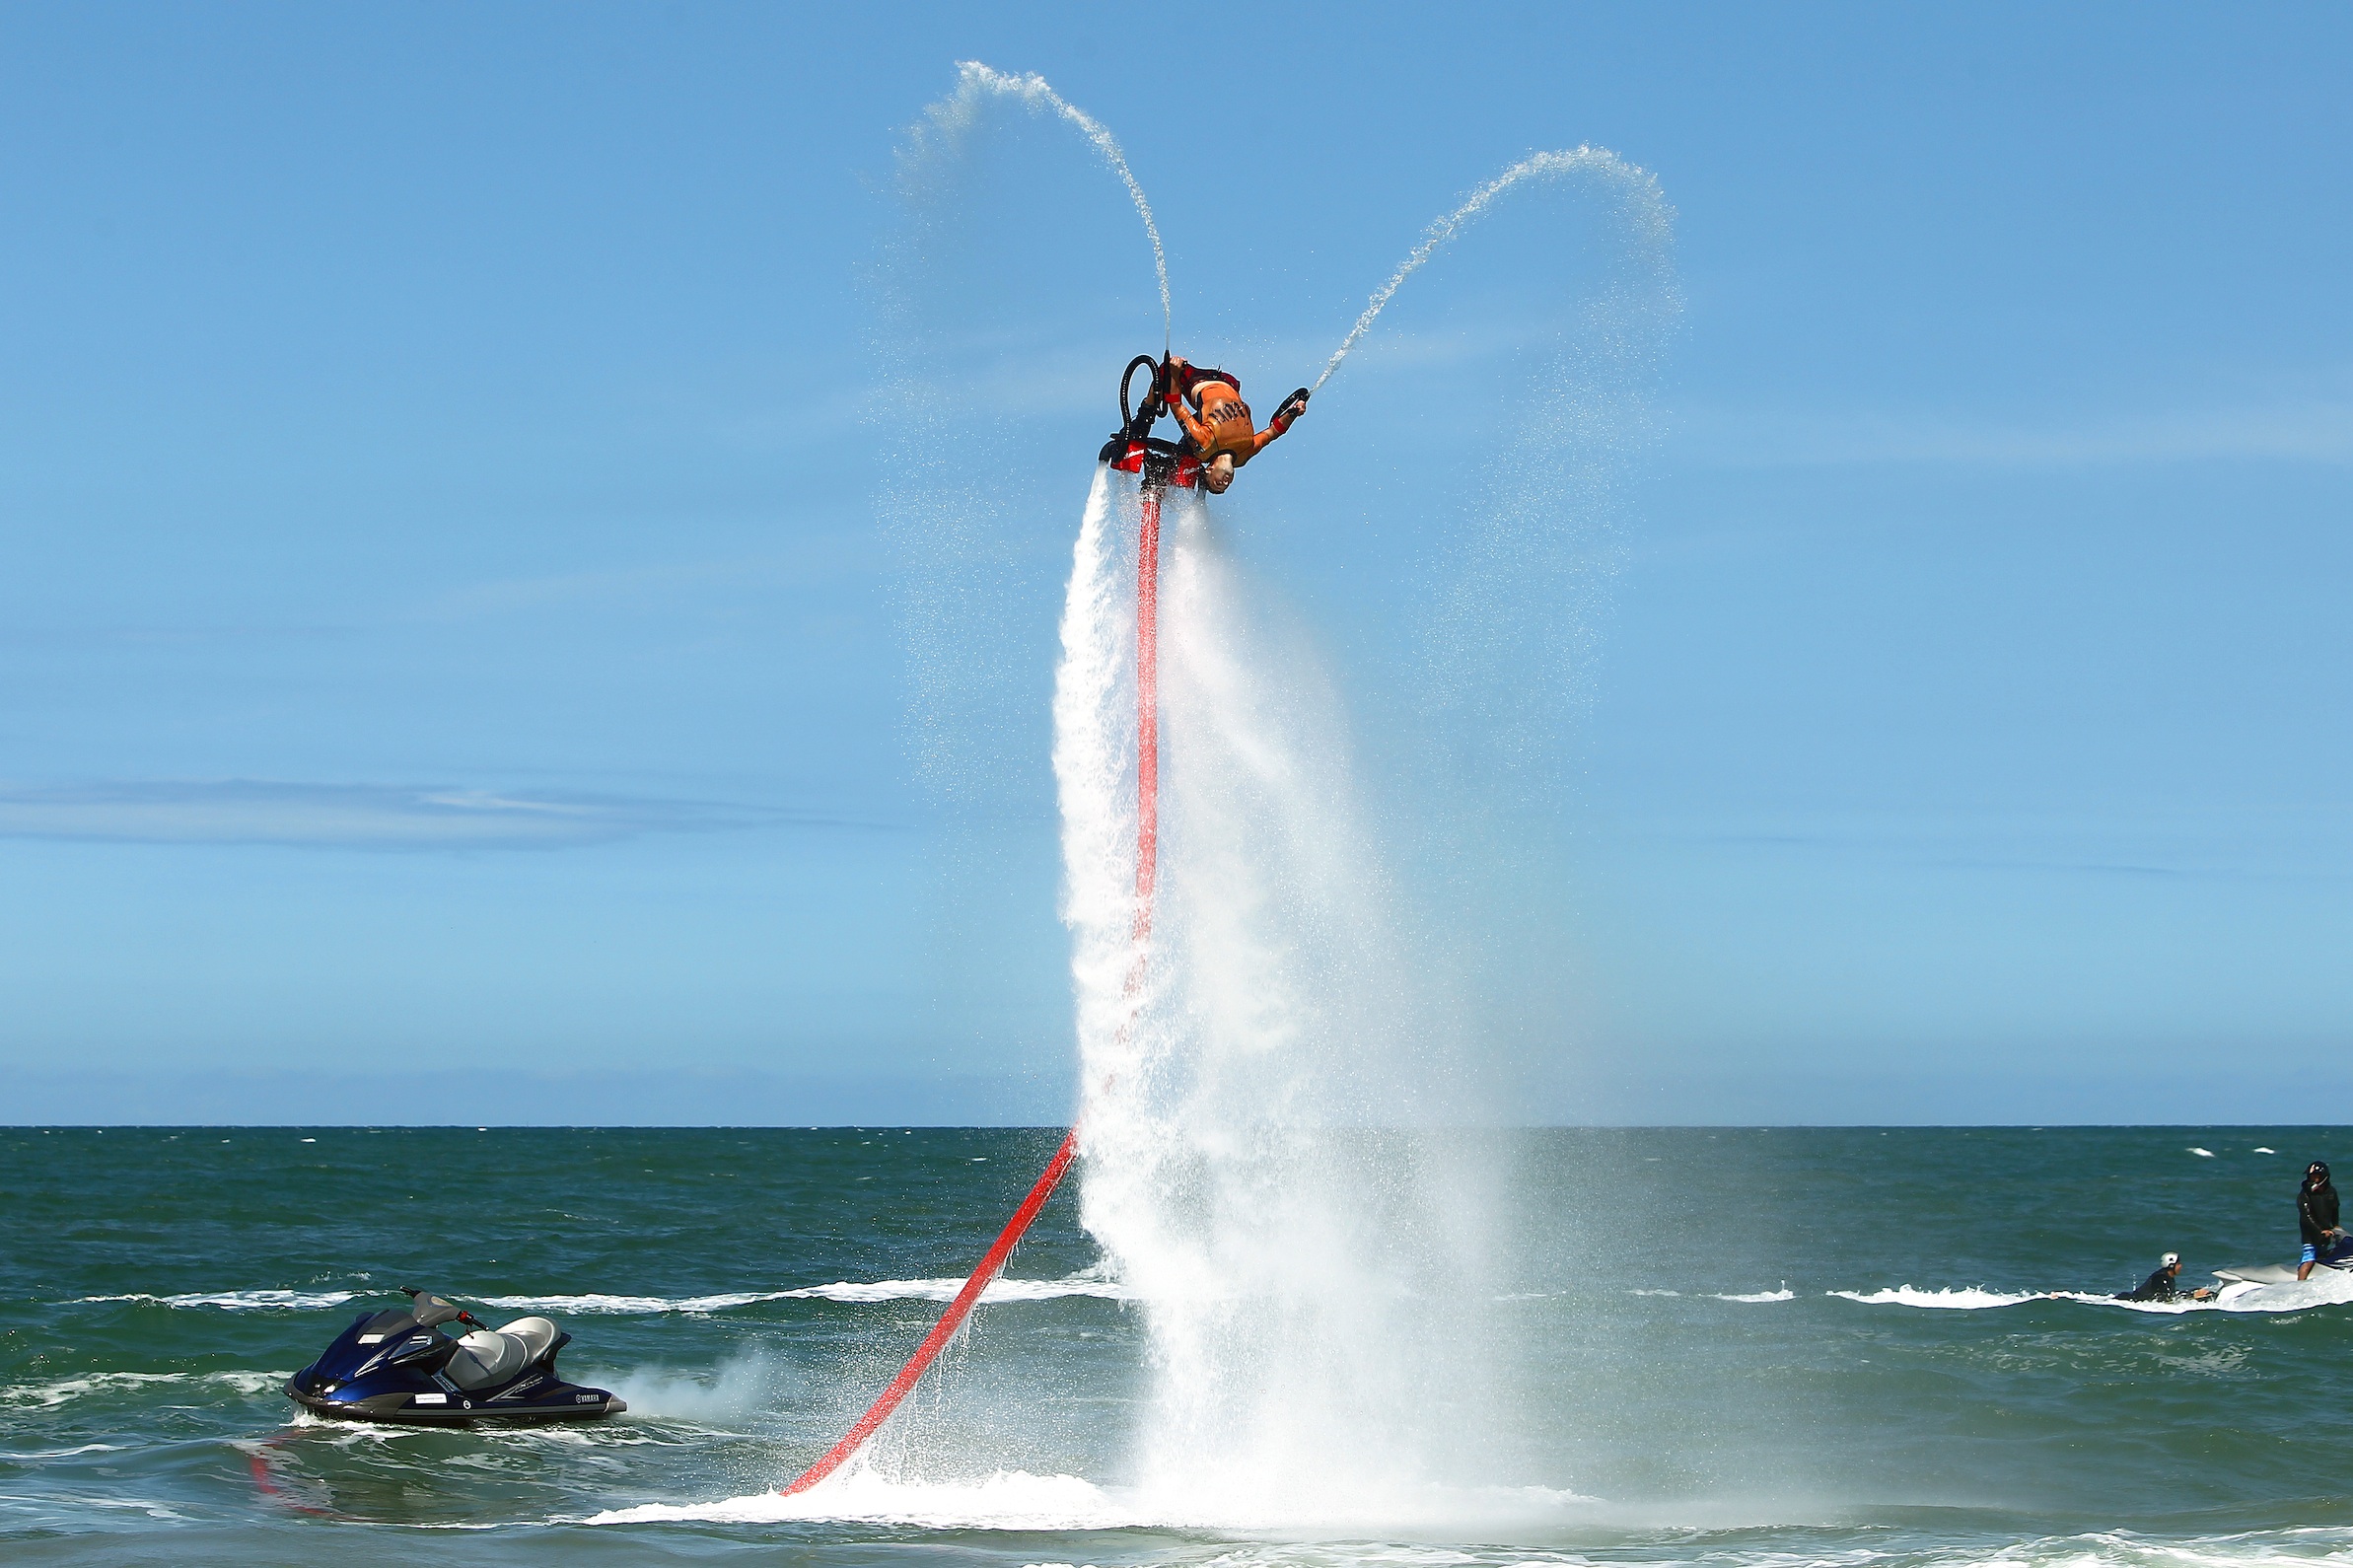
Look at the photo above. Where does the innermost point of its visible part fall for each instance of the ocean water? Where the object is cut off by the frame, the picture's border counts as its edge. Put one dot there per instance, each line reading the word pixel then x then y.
pixel 1733 1347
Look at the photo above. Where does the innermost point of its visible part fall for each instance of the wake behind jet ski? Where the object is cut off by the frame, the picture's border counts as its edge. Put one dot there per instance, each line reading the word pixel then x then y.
pixel 397 1366
pixel 1214 441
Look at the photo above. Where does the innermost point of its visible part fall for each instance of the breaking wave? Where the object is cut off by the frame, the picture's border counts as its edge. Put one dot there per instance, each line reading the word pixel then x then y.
pixel 240 1301
pixel 49 1395
pixel 2234 1297
pixel 1968 1298
pixel 998 1292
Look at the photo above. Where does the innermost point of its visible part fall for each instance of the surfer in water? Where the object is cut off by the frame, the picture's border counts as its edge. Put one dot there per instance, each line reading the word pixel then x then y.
pixel 2165 1284
pixel 1222 433
pixel 2315 1217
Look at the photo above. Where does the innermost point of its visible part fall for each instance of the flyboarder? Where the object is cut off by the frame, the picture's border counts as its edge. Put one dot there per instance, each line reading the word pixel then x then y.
pixel 1221 434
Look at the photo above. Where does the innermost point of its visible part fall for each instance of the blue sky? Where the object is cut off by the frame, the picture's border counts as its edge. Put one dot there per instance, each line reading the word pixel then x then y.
pixel 450 667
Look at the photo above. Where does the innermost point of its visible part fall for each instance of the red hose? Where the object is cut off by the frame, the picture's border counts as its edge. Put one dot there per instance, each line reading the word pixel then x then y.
pixel 992 1262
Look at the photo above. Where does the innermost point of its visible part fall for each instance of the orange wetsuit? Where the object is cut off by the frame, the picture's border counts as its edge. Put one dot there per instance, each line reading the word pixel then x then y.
pixel 1224 423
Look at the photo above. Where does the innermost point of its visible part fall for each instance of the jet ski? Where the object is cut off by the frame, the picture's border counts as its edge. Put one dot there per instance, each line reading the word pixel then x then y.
pixel 2338 1258
pixel 398 1366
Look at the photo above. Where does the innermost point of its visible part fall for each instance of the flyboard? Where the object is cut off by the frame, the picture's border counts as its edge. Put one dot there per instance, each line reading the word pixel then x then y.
pixel 1156 464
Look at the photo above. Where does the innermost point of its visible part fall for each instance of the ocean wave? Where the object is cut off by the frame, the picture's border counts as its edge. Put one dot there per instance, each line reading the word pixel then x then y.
pixel 49 1395
pixel 1783 1294
pixel 1966 1298
pixel 2334 1289
pixel 998 1292
pixel 239 1301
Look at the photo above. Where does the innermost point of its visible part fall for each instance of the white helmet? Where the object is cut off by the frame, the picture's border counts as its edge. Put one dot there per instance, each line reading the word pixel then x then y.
pixel 2170 1260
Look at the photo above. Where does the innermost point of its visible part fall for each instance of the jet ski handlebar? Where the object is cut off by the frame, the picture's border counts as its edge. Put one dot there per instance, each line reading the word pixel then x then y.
pixel 432 1311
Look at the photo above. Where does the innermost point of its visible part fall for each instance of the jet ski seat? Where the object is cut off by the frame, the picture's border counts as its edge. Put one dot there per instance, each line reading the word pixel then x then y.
pixel 489 1357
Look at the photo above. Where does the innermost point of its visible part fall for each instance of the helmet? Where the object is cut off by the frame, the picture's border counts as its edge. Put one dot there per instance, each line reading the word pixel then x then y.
pixel 2316 1174
pixel 2170 1260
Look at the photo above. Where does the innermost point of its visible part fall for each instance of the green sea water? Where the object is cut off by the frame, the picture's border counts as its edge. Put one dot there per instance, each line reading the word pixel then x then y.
pixel 1736 1347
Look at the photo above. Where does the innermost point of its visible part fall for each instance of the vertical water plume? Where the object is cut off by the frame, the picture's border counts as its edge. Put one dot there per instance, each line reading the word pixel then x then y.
pixel 1651 220
pixel 1095 760
pixel 1303 1263
pixel 976 83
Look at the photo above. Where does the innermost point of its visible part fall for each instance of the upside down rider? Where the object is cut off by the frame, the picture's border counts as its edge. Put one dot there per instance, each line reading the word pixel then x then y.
pixel 1220 433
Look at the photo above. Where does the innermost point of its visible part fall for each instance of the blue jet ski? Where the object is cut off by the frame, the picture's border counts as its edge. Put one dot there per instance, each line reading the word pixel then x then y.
pixel 397 1366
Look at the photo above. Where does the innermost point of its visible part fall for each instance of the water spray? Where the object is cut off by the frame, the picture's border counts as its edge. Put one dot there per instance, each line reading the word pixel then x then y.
pixel 1639 185
pixel 976 81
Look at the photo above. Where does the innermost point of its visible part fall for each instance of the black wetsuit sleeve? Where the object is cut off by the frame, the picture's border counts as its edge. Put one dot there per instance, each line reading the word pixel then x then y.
pixel 2315 1214
pixel 2157 1287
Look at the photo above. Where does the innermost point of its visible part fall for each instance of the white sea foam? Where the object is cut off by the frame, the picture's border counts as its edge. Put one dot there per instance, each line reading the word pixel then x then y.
pixel 1007 1499
pixel 49 1395
pixel 997 1293
pixel 2332 1289
pixel 1016 1500
pixel 1783 1294
pixel 236 1300
pixel 1968 1298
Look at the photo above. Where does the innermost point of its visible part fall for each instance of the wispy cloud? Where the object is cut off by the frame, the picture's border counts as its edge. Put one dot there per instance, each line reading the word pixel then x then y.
pixel 357 815
pixel 2299 844
pixel 2318 431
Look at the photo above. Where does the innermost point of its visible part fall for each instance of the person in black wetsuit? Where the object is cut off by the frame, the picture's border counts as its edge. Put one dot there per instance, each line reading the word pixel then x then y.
pixel 2315 1217
pixel 2165 1284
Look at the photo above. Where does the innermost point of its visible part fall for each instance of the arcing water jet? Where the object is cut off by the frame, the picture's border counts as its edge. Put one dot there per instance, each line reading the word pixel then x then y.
pixel 1651 220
